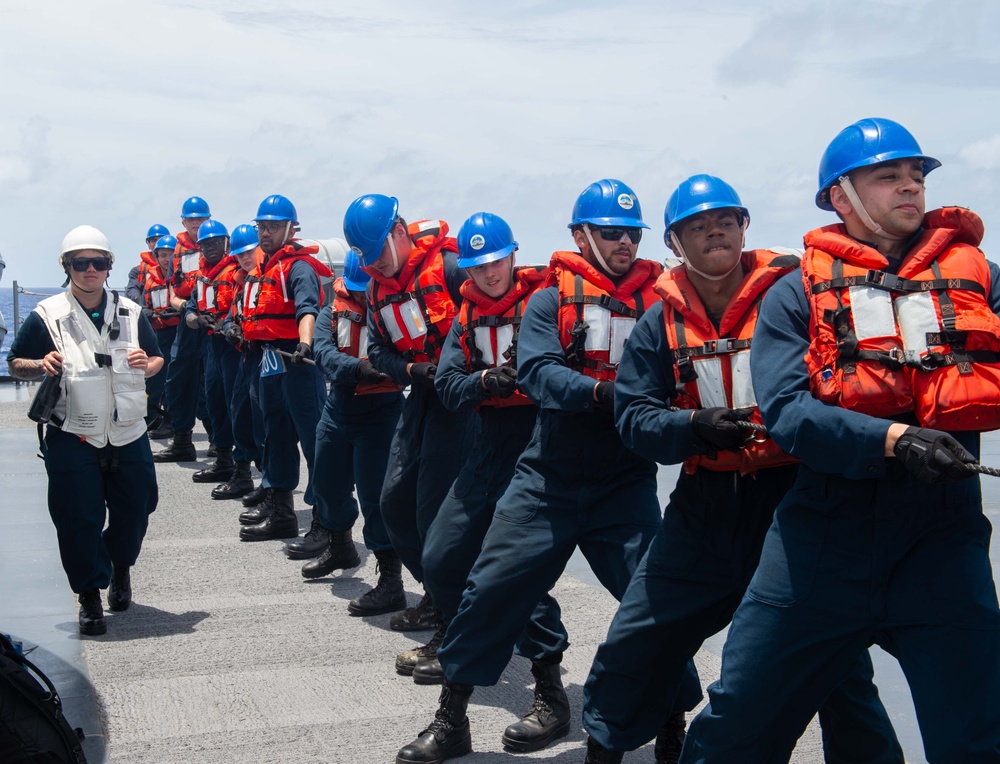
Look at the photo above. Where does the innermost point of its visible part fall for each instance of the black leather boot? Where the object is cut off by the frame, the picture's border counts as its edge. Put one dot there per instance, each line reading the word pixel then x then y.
pixel 448 736
pixel 280 523
pixel 312 544
pixel 421 617
pixel 240 484
pixel 219 472
pixel 92 613
pixel 163 429
pixel 340 554
pixel 670 740
pixel 549 717
pixel 120 590
pixel 597 754
pixel 256 496
pixel 408 660
pixel 388 594
pixel 258 512
pixel 181 449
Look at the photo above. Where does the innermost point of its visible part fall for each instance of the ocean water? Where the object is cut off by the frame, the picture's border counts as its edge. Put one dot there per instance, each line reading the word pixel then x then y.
pixel 27 299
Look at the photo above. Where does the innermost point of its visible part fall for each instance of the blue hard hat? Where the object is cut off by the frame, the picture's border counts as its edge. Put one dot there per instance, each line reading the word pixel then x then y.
pixel 156 231
pixel 701 193
pixel 355 279
pixel 608 202
pixel 366 224
pixel 244 238
pixel 277 207
pixel 195 207
pixel 211 229
pixel 484 238
pixel 866 142
pixel 165 242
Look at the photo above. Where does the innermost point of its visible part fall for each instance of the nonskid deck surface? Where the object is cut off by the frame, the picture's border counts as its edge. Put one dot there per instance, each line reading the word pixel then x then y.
pixel 227 654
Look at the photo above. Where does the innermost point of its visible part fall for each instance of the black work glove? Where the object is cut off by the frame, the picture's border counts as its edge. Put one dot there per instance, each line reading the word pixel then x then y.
pixel 234 334
pixel 500 381
pixel 303 352
pixel 148 313
pixel 365 372
pixel 933 456
pixel 206 322
pixel 720 428
pixel 423 374
pixel 605 395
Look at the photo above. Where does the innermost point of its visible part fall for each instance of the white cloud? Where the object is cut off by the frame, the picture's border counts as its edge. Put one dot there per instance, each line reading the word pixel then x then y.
pixel 983 154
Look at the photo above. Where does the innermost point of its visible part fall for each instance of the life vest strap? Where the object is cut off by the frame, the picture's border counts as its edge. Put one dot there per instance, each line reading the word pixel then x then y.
pixel 892 283
pixel 605 301
pixel 350 315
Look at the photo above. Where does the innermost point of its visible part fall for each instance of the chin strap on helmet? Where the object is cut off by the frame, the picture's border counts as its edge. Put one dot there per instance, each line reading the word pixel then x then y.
pixel 845 183
pixel 392 251
pixel 597 253
pixel 675 245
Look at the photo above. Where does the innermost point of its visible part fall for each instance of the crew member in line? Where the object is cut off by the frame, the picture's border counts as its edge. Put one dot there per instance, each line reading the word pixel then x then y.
pixel 279 313
pixel 185 392
pixel 478 370
pixel 683 394
pixel 244 410
pixel 413 298
pixel 155 302
pixel 100 348
pixel 134 287
pixel 575 485
pixel 882 537
pixel 208 305
pixel 352 441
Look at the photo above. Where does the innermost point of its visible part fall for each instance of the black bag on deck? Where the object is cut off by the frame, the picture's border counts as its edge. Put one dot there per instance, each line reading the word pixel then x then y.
pixel 32 726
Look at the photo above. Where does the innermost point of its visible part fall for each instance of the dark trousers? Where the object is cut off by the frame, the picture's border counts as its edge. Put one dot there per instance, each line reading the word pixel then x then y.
pixel 686 589
pixel 221 362
pixel 84 494
pixel 575 485
pixel 422 466
pixel 456 535
pixel 185 390
pixel 291 403
pixel 156 384
pixel 244 416
pixel 352 449
pixel 849 563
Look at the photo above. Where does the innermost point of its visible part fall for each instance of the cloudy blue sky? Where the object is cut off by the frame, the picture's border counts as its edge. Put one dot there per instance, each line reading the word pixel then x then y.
pixel 114 112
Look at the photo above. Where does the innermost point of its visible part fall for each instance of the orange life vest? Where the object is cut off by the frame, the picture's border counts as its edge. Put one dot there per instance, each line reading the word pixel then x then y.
pixel 595 314
pixel 215 286
pixel 155 294
pixel 349 324
pixel 268 309
pixel 924 340
pixel 187 260
pixel 712 366
pixel 147 260
pixel 414 309
pixel 489 327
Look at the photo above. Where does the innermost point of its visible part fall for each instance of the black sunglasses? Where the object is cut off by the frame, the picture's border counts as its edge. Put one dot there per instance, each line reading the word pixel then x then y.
pixel 615 234
pixel 81 264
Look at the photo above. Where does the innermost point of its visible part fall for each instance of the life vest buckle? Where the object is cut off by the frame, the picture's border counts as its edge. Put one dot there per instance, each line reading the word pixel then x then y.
pixel 883 280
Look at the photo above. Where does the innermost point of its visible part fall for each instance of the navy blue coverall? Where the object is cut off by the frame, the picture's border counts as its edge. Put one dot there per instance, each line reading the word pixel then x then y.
pixel 291 402
pixel 352 443
pixel 694 575
pixel 574 485
pixel 860 552
pixel 422 458
pixel 185 391
pixel 244 407
pixel 83 494
pixel 456 535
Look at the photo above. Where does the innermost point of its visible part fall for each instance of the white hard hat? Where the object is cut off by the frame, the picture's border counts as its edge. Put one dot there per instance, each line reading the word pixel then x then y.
pixel 85 237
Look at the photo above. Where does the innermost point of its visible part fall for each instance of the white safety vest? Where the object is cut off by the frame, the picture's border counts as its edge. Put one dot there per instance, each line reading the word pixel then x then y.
pixel 103 399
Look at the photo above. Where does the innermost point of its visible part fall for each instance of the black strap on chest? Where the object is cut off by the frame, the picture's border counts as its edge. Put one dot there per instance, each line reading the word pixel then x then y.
pixel 576 354
pixel 469 325
pixel 684 355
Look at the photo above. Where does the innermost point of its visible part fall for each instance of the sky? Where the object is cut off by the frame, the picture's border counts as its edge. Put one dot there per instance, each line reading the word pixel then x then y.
pixel 114 113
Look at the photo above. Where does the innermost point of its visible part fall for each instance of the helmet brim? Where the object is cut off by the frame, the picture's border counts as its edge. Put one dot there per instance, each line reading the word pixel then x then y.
pixel 823 195
pixel 706 207
pixel 610 222
pixel 488 257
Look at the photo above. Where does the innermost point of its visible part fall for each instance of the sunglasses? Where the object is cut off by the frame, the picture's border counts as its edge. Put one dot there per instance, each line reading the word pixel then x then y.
pixel 615 234
pixel 81 264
